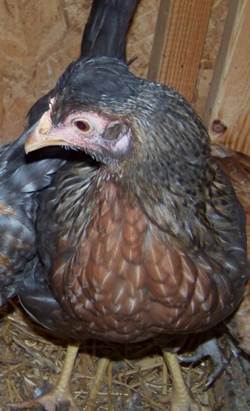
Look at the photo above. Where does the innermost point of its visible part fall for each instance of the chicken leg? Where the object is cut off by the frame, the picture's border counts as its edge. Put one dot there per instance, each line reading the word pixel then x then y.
pixel 61 394
pixel 181 399
pixel 101 369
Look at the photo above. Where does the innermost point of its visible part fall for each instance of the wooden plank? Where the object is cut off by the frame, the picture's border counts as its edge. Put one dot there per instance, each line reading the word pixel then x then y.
pixel 181 30
pixel 228 108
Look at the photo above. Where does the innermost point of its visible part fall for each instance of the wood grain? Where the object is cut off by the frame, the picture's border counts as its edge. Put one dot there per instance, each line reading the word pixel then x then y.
pixel 228 107
pixel 39 38
pixel 181 30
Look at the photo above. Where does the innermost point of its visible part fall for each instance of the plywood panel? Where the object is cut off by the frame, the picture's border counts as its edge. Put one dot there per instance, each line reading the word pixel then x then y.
pixel 228 108
pixel 181 30
pixel 141 35
pixel 39 38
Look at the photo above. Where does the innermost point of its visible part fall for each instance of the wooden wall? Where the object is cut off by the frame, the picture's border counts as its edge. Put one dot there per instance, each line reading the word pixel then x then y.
pixel 228 106
pixel 180 42
pixel 38 38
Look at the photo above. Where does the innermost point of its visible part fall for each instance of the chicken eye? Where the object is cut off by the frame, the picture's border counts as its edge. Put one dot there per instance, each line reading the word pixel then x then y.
pixel 82 125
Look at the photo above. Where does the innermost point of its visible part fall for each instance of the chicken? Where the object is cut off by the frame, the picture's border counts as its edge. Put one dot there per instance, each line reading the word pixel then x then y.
pixel 239 326
pixel 20 182
pixel 146 236
pixel 193 220
pixel 145 239
pixel 237 167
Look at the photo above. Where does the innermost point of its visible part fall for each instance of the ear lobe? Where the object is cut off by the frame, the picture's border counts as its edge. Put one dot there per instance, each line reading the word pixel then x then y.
pixel 123 144
pixel 117 139
pixel 114 130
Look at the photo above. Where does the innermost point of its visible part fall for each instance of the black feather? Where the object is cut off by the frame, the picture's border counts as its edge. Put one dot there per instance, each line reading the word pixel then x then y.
pixel 22 179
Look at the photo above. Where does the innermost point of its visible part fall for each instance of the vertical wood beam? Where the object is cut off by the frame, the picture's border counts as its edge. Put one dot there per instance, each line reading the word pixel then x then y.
pixel 181 30
pixel 227 111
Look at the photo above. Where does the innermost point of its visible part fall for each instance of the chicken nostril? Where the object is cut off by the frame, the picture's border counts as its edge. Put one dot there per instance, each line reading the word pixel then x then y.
pixel 44 123
pixel 43 130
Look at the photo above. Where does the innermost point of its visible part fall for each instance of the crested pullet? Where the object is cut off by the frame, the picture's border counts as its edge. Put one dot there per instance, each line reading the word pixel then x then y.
pixel 148 237
pixel 143 236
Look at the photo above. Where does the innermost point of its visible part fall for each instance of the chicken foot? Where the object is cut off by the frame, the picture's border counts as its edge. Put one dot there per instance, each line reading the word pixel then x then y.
pixel 181 398
pixel 59 397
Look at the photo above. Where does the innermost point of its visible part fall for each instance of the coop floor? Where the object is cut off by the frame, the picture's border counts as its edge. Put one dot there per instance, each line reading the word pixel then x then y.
pixel 137 379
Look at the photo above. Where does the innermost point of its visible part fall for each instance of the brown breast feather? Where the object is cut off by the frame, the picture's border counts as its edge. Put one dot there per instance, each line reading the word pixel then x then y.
pixel 125 283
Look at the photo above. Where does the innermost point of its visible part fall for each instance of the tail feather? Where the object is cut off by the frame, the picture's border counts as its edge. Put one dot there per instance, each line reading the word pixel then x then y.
pixel 106 29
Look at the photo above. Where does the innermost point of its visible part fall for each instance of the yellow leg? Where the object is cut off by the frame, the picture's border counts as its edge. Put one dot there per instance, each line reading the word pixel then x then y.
pixel 61 393
pixel 181 398
pixel 63 383
pixel 102 367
